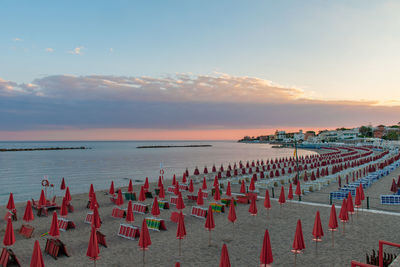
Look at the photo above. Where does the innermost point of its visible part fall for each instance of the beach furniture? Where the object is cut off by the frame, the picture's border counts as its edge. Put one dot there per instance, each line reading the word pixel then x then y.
pixel 130 196
pixel 175 216
pixel 26 230
pixel 148 194
pixel 163 204
pixel 56 248
pixel 227 201
pixel 140 208
pixel 198 212
pixel 118 212
pixel 156 224
pixel 88 218
pixel 217 207
pixel 243 199
pixel 192 197
pixel 8 258
pixel 390 199
pixel 128 231
pixel 65 224
pixel 101 238
pixel 171 189
pixel 12 214
pixel 173 200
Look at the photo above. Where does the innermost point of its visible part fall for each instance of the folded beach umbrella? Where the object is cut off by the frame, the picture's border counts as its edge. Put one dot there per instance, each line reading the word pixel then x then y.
pixel 216 183
pixel 146 184
pixel 91 191
pixel 266 251
pixel 191 188
pixel 357 200
pixel 228 189
pixel 174 180
pixel 224 260
pixel 176 189
pixel 159 182
pixel 155 209
pixel 180 205
pixel 204 187
pixel 64 209
pixel 93 250
pixel 393 188
pixel 290 193
pixel 252 186
pixel 362 196
pixel 37 257
pixel 181 230
pixel 96 222
pixel 317 232
pixel 205 171
pixel 184 180
pixel 282 199
pixel 54 229
pixel 253 206
pixel 120 200
pixel 177 264
pixel 200 200
pixel 267 201
pixel 129 213
pixel 217 195
pixel 93 202
pixel 349 202
pixel 9 237
pixel 42 199
pixel 161 194
pixel 28 214
pixel 210 224
pixel 305 176
pixel 67 195
pixel 333 223
pixel 298 242
pixel 232 212
pixel 398 181
pixel 242 188
pixel 130 186
pixel 344 215
pixel 142 196
pixel 298 189
pixel 62 186
pixel 144 239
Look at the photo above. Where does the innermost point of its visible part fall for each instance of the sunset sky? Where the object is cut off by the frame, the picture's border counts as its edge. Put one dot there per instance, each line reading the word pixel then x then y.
pixel 120 70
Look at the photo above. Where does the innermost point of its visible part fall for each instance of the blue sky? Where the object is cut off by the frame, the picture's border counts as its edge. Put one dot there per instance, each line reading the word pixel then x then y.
pixel 331 50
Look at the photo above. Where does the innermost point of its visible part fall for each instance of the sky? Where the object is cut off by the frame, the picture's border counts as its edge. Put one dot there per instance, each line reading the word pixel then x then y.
pixel 122 70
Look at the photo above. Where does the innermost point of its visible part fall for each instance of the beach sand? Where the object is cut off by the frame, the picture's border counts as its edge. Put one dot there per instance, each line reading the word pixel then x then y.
pixel 360 237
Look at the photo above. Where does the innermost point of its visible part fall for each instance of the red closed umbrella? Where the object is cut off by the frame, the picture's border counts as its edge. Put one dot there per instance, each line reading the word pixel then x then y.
pixel 228 189
pixel 224 260
pixel 67 195
pixel 204 187
pixel 232 212
pixel 181 230
pixel 142 196
pixel 191 188
pixel 96 222
pixel 243 188
pixel 210 224
pixel 200 200
pixel 144 240
pixel 176 189
pixel 298 242
pixel 180 205
pixel 155 209
pixel 252 186
pixel 362 196
pixel 174 180
pixel 9 237
pixel 298 189
pixel 93 202
pixel 177 264
pixel 64 209
pixel 130 186
pixel 267 201
pixel 282 199
pixel 344 215
pixel 317 232
pixel 129 213
pixel 333 223
pixel 253 206
pixel 357 201
pixel 62 186
pixel 161 194
pixel 290 194
pixel 37 257
pixel 349 202
pixel 159 182
pixel 266 251
pixel 111 191
pixel 184 181
pixel 216 183
pixel 91 191
pixel 217 195
pixel 93 250
pixel 54 230
pixel 393 188
pixel 120 200
pixel 146 184
pixel 28 214
pixel 42 199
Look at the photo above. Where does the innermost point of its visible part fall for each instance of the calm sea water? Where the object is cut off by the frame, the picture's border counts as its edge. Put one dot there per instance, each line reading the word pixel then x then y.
pixel 22 172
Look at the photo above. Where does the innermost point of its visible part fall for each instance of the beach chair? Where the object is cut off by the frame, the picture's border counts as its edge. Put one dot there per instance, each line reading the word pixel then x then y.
pixel 217 207
pixel 8 258
pixel 174 217
pixel 198 212
pixel 130 196
pixel 89 217
pixel 173 200
pixel 55 248
pixel 140 208
pixel 242 199
pixel 101 238
pixel 26 230
pixel 11 214
pixel 148 194
pixel 65 224
pixel 70 207
pixel 156 224
pixel 227 201
pixel 128 231
pixel 42 211
pixel 170 189
pixel 163 204
pixel 118 212
pixel 192 197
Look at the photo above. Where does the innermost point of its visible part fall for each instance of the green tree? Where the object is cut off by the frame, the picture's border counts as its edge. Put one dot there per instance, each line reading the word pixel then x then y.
pixel 366 131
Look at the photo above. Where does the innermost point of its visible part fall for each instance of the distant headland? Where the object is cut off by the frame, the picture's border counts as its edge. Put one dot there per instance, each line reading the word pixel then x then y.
pixel 174 146
pixel 40 148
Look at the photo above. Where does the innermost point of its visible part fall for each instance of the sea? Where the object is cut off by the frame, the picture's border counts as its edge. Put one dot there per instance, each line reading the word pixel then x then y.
pixel 22 172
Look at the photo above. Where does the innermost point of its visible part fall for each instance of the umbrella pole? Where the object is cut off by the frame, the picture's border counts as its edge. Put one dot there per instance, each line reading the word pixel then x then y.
pixel 180 247
pixel 344 228
pixel 295 259
pixel 333 240
pixel 209 238
pixel 143 257
pixel 316 248
pixel 233 227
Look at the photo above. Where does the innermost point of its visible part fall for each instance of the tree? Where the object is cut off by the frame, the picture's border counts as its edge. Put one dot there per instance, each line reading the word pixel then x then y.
pixel 366 131
pixel 392 135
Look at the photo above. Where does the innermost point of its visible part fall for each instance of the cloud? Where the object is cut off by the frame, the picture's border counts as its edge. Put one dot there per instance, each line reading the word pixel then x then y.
pixel 49 49
pixel 111 50
pixel 180 101
pixel 17 39
pixel 77 50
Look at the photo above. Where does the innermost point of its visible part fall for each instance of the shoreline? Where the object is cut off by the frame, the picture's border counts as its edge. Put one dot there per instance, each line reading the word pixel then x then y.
pixel 42 149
